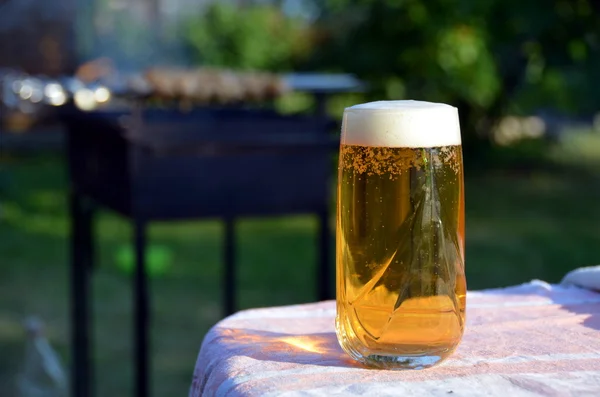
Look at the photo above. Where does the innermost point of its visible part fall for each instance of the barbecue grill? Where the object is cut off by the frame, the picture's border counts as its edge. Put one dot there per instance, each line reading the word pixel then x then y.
pixel 166 164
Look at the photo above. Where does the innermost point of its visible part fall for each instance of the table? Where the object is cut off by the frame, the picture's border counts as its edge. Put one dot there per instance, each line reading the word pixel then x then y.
pixel 534 339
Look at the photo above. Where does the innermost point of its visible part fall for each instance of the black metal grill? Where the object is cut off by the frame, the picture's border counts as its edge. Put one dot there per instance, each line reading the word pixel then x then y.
pixel 165 165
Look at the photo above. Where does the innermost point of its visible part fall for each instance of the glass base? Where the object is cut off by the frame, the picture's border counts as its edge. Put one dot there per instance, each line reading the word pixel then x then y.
pixel 401 362
pixel 422 360
pixel 409 356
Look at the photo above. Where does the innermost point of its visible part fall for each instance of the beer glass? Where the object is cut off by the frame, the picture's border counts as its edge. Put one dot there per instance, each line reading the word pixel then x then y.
pixel 400 234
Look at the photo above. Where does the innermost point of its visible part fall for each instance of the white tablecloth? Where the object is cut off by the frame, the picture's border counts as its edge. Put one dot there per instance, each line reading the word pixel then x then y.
pixel 534 339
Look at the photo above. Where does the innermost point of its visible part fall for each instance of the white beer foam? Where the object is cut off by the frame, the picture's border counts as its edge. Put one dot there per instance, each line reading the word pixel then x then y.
pixel 405 123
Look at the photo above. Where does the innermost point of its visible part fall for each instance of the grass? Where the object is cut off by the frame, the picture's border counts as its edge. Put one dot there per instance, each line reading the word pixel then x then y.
pixel 538 222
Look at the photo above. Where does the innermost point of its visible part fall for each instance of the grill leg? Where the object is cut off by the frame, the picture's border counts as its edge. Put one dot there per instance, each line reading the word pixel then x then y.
pixel 323 270
pixel 81 241
pixel 321 102
pixel 229 271
pixel 141 298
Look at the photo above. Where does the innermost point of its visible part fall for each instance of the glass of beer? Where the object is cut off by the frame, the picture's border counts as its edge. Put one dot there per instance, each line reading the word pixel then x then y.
pixel 400 234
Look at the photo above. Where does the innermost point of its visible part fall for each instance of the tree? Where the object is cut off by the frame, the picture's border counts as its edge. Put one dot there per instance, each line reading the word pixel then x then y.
pixel 255 37
pixel 486 57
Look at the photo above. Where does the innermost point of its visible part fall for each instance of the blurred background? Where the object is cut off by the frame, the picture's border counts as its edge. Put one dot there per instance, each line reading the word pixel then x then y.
pixel 524 75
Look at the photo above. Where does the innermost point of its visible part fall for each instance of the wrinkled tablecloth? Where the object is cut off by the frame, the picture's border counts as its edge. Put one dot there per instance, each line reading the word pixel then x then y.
pixel 534 339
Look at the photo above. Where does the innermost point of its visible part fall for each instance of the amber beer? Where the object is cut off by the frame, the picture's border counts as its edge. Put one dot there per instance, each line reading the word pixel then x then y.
pixel 400 234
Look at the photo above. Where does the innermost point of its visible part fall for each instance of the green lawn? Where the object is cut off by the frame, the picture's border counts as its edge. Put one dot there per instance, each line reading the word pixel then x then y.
pixel 521 224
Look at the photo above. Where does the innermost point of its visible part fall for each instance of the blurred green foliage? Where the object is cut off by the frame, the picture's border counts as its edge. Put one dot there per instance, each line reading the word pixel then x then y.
pixel 256 37
pixel 488 57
